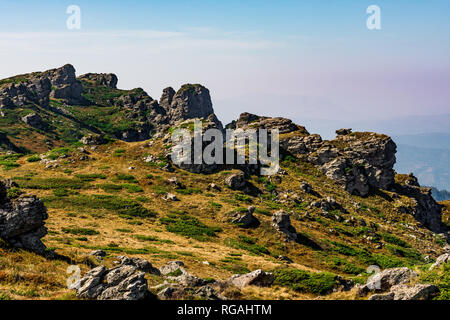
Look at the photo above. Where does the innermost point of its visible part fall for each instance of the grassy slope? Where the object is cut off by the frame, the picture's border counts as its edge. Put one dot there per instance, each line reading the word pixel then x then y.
pixel 82 219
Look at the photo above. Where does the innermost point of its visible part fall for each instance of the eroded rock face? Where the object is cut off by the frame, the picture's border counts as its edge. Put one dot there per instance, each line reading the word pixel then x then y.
pixel 22 221
pixel 36 90
pixel 425 209
pixel 358 161
pixel 124 282
pixel 65 85
pixel 39 87
pixel 282 223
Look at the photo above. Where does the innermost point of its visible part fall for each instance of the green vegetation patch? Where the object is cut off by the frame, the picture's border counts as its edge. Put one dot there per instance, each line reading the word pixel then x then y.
pixel 119 205
pixel 189 226
pixel 81 231
pixel 307 282
pixel 248 244
pixel 440 278
pixel 52 183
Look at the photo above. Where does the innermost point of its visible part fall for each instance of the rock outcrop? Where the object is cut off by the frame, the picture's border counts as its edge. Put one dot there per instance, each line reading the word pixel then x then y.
pixel 108 80
pixel 191 101
pixel 22 221
pixel 424 208
pixel 245 219
pixel 236 181
pixel 124 282
pixel 93 140
pixel 383 281
pixel 65 85
pixel 256 278
pixel 356 161
pixel 405 292
pixel 34 120
pixel 282 223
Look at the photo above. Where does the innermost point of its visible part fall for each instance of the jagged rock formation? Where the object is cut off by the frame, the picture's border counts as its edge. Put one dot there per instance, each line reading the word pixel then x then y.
pixel 137 116
pixel 282 223
pixel 120 283
pixel 424 208
pixel 22 221
pixel 102 79
pixel 357 161
pixel 191 101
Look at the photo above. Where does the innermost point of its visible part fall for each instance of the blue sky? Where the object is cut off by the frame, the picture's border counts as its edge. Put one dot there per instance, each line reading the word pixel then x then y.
pixel 302 59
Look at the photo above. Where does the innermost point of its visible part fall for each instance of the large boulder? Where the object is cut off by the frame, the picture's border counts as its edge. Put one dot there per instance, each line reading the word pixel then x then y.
pixel 405 292
pixel 139 263
pixel 244 219
pixel 22 221
pixel 282 223
pixel 174 271
pixel 124 282
pixel 236 181
pixel 385 280
pixel 256 278
pixel 93 140
pixel 34 120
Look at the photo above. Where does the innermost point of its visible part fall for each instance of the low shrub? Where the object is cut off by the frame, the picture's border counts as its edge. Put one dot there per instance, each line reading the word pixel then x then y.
pixel 303 281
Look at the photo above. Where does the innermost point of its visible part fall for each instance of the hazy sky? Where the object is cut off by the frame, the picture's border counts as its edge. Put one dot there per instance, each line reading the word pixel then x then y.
pixel 301 59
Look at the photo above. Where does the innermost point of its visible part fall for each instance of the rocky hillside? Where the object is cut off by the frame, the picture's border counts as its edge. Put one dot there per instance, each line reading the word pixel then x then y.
pixel 88 181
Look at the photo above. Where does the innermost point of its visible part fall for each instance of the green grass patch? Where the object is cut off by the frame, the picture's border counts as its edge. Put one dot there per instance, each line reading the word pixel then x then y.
pixel 307 282
pixel 81 231
pixel 189 227
pixel 119 205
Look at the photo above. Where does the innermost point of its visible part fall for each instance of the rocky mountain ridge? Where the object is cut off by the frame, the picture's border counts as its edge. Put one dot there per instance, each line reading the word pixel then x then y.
pixel 100 163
